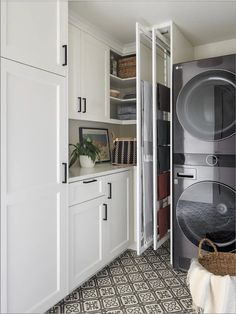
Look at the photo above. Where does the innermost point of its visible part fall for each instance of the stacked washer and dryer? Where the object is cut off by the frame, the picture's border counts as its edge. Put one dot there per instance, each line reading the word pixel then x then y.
pixel 204 151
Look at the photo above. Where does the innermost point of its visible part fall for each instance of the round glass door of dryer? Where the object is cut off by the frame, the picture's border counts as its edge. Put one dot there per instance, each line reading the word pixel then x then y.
pixel 207 210
pixel 206 105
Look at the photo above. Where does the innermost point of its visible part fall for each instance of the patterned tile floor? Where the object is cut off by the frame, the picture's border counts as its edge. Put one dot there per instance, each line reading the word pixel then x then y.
pixel 132 284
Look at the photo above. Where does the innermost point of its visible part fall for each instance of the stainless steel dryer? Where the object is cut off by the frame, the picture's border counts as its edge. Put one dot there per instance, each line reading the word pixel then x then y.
pixel 204 126
pixel 204 106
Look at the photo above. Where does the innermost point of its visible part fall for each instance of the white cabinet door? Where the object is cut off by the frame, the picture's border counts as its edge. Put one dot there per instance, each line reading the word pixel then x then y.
pixel 34 33
pixel 144 195
pixel 94 79
pixel 118 201
pixel 88 77
pixel 33 198
pixel 86 240
pixel 74 73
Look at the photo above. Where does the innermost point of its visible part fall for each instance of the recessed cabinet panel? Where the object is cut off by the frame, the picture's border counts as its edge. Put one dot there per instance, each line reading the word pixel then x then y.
pixel 26 36
pixel 118 200
pixel 74 73
pixel 94 78
pixel 85 190
pixel 32 129
pixel 34 257
pixel 86 249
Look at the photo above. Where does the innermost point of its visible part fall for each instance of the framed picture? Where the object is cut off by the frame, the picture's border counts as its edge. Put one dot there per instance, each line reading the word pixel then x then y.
pixel 100 138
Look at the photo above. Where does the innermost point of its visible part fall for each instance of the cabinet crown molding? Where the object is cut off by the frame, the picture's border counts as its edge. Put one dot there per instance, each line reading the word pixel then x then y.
pixel 86 26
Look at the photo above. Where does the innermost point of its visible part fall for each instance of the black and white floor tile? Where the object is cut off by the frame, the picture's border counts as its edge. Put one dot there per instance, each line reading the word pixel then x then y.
pixel 132 284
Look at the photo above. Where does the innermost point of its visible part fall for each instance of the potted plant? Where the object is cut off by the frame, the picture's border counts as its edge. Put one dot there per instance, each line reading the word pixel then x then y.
pixel 86 152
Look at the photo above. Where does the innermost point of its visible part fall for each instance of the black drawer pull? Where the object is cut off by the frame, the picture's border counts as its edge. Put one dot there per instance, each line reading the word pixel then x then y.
pixel 85 105
pixel 110 191
pixel 79 110
pixel 65 63
pixel 105 206
pixel 183 175
pixel 65 172
pixel 89 181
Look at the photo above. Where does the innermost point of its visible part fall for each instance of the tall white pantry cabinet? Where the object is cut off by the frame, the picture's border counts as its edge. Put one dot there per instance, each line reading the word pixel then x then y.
pixel 33 155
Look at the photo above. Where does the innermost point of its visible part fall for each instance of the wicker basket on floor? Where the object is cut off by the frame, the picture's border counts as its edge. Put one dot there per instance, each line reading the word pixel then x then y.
pixel 217 263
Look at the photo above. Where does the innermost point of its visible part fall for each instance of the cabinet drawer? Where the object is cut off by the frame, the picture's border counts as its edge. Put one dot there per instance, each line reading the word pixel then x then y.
pixel 85 190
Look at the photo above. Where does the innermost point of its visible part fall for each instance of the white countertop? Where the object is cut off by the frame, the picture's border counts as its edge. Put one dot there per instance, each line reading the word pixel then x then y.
pixel 77 173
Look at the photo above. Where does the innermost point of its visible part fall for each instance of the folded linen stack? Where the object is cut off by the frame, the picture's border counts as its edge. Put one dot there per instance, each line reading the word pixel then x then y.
pixel 126 112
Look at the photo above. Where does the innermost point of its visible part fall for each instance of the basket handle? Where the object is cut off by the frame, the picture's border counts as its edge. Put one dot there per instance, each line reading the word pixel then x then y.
pixel 200 246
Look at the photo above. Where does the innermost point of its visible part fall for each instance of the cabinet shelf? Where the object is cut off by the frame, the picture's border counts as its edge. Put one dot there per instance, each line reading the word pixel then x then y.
pixel 123 122
pixel 118 82
pixel 122 107
pixel 122 101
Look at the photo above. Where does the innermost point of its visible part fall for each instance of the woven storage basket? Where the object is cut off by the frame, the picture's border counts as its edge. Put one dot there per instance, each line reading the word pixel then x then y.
pixel 127 61
pixel 127 67
pixel 217 263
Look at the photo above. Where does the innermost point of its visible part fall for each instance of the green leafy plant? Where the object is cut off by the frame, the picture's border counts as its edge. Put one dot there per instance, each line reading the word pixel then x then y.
pixel 84 148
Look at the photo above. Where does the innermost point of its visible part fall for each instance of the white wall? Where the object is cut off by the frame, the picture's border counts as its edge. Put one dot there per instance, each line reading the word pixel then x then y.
pixel 215 49
pixel 118 130
pixel 181 47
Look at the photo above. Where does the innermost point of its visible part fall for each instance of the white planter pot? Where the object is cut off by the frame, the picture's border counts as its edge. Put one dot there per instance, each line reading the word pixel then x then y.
pixel 86 162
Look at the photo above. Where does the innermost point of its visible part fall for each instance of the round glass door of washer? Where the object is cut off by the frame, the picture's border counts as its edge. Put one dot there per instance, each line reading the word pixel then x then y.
pixel 207 210
pixel 206 105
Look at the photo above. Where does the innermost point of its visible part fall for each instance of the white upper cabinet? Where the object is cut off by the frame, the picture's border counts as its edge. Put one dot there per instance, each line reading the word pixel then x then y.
pixel 88 77
pixel 94 78
pixel 74 73
pixel 35 33
pixel 33 196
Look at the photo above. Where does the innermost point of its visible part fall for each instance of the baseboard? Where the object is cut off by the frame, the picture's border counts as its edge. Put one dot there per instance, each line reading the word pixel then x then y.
pixel 133 246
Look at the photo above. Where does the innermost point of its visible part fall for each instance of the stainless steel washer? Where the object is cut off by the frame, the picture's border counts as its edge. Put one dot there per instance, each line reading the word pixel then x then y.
pixel 204 206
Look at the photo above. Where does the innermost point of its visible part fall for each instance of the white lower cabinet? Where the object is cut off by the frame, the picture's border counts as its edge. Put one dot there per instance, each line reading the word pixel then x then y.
pixel 118 207
pixel 98 228
pixel 86 240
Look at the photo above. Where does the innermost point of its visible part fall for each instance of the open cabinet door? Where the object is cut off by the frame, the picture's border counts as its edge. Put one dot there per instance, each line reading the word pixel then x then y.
pixel 144 139
pixel 161 136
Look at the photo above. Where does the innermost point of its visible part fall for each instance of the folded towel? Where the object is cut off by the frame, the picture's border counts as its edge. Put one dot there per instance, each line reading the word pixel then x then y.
pixel 211 293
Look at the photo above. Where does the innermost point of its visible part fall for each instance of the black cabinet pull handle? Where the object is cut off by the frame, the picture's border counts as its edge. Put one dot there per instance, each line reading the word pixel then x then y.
pixel 65 47
pixel 105 206
pixel 89 181
pixel 65 172
pixel 85 105
pixel 183 175
pixel 110 191
pixel 79 110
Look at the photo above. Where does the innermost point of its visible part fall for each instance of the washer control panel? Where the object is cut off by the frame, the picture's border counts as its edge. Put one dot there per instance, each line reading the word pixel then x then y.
pixel 211 160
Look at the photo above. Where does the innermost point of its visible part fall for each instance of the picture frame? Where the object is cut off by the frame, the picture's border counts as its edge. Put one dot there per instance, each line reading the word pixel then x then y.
pixel 100 138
